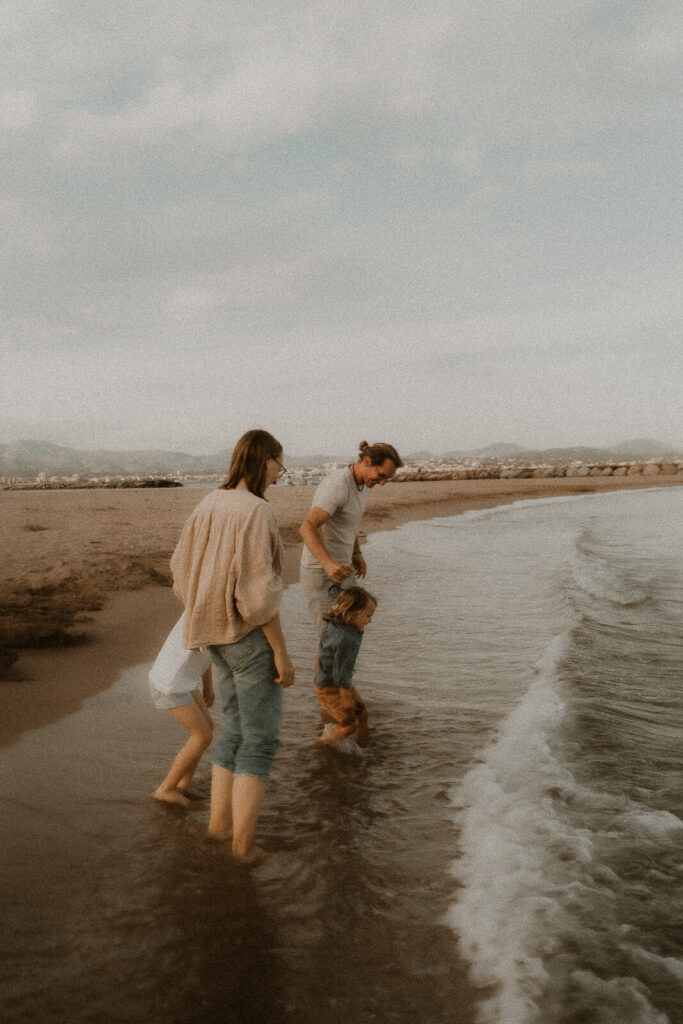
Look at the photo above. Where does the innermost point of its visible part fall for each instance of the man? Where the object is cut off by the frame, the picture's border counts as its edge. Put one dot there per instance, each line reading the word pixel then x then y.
pixel 331 551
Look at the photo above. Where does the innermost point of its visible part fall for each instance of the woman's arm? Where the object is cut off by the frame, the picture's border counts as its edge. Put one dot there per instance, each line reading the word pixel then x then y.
pixel 257 568
pixel 259 585
pixel 283 663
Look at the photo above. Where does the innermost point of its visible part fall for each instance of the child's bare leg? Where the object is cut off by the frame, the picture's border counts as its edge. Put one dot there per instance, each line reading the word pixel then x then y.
pixel 332 733
pixel 336 705
pixel 361 716
pixel 220 816
pixel 186 781
pixel 187 759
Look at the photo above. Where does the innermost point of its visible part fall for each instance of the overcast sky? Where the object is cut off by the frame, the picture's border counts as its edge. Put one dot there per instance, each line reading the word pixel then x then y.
pixel 439 224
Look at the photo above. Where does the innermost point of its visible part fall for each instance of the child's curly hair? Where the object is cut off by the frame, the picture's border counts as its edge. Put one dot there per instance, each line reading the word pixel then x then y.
pixel 347 605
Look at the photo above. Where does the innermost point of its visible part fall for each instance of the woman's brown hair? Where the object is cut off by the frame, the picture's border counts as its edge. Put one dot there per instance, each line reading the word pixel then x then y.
pixel 248 461
pixel 348 604
pixel 378 452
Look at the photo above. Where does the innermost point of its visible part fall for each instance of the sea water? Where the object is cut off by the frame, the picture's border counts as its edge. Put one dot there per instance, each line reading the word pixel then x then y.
pixel 570 823
pixel 559 624
pixel 505 850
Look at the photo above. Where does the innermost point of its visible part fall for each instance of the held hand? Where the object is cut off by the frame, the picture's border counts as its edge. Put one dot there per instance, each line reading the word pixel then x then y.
pixel 284 669
pixel 207 687
pixel 358 563
pixel 337 571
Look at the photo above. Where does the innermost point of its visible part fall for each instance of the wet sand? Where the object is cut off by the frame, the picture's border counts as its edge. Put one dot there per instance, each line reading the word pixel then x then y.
pixel 85 582
pixel 93 874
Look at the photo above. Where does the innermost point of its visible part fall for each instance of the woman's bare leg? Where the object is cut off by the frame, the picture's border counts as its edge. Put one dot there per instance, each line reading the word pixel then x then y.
pixel 187 759
pixel 247 796
pixel 220 818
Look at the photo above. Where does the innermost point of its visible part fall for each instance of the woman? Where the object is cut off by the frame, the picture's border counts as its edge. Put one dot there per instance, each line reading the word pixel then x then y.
pixel 227 571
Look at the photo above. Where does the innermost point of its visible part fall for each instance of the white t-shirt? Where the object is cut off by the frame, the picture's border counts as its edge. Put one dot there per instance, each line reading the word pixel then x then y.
pixel 176 670
pixel 338 495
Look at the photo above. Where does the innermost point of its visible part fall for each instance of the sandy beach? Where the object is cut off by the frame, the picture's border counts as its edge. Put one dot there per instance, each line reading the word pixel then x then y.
pixel 85 582
pixel 87 603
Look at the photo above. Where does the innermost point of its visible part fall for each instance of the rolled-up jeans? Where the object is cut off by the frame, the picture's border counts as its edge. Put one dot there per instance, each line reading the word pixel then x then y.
pixel 244 673
pixel 345 706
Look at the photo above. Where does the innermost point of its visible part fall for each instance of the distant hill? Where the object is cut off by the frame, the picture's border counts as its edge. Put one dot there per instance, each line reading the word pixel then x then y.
pixel 499 450
pixel 642 448
pixel 29 458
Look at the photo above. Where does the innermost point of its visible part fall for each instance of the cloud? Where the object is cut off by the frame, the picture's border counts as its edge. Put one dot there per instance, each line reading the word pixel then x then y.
pixel 264 100
pixel 406 204
pixel 18 109
pixel 655 41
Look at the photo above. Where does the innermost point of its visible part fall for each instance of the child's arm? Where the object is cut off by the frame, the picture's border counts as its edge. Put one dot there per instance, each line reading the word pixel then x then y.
pixel 207 687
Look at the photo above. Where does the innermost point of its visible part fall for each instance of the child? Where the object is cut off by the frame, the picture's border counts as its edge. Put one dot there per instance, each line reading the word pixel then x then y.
pixel 344 621
pixel 174 680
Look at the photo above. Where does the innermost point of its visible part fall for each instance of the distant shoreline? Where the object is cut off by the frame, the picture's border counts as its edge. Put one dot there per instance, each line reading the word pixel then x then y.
pixel 92 485
pixel 30 458
pixel 65 553
pixel 415 470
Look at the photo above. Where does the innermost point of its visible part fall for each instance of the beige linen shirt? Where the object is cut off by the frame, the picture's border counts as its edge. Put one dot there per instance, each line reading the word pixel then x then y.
pixel 227 568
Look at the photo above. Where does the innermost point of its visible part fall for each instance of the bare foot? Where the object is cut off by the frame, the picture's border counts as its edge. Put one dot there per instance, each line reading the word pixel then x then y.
pixel 191 794
pixel 171 796
pixel 331 733
pixel 255 856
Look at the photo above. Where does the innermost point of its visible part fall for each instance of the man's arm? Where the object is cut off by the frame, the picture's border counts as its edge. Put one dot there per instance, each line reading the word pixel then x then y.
pixel 357 560
pixel 310 533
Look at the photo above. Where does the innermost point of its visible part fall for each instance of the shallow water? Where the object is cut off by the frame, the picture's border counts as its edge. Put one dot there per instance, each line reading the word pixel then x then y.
pixel 504 850
pixel 135 916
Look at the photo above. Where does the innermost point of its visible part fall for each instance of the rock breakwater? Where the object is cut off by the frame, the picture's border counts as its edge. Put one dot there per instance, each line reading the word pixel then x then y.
pixel 435 471
pixel 70 484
